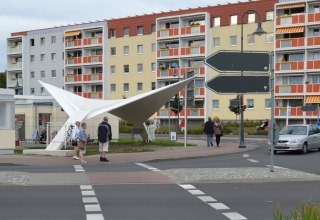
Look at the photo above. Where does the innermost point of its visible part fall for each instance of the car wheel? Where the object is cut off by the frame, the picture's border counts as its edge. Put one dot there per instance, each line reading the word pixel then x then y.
pixel 304 148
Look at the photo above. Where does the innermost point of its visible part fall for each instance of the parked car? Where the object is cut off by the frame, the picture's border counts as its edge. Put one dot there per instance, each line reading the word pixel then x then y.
pixel 298 137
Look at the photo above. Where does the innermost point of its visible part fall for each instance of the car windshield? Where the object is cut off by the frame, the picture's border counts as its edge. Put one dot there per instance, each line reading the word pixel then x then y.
pixel 294 130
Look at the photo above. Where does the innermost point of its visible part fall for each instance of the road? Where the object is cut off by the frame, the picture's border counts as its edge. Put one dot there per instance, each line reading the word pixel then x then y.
pixel 158 189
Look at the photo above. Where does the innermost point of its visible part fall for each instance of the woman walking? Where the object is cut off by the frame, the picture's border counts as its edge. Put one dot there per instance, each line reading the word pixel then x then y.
pixel 218 131
pixel 82 141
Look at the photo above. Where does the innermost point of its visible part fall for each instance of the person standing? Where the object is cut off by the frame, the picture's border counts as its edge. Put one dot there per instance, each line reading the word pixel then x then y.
pixel 82 141
pixel 208 129
pixel 218 131
pixel 104 137
pixel 75 140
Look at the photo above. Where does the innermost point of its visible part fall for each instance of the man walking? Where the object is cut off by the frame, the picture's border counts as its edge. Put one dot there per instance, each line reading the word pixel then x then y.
pixel 104 137
pixel 208 129
pixel 75 139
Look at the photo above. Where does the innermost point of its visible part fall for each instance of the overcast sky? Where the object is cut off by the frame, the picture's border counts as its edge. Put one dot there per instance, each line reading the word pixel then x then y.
pixel 22 15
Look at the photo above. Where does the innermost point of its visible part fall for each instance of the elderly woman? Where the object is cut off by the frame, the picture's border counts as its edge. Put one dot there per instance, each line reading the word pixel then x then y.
pixel 218 131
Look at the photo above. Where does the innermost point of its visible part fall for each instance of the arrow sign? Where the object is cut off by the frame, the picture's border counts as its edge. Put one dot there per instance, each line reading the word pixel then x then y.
pixel 235 61
pixel 239 84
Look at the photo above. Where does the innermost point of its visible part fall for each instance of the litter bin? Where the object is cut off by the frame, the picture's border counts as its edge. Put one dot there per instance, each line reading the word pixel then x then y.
pixel 173 136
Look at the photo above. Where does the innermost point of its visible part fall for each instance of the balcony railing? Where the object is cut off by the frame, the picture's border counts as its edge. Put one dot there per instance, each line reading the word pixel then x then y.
pixel 73 60
pixel 298 88
pixel 286 43
pixel 193 50
pixel 92 77
pixel 313 64
pixel 196 29
pixel 198 70
pixel 315 17
pixel 12 82
pixel 291 19
pixel 167 52
pixel 14 49
pixel 92 59
pixel 313 41
pixel 73 43
pixel 199 91
pixel 15 66
pixel 169 72
pixel 313 88
pixel 285 111
pixel 73 78
pixel 92 41
pixel 195 112
pixel 168 32
pixel 290 66
pixel 92 95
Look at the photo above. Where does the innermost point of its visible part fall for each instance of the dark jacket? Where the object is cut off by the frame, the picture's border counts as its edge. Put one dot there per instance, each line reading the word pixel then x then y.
pixel 208 127
pixel 104 132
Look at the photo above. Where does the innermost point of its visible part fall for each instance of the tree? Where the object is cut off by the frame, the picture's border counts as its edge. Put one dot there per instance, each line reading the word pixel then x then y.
pixel 3 81
pixel 236 109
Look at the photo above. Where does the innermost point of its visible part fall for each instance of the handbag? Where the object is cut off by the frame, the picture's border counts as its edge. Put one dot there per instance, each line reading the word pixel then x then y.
pixel 82 145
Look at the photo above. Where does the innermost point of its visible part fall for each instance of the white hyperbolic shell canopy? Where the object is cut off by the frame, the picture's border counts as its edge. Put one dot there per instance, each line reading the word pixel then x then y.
pixel 136 109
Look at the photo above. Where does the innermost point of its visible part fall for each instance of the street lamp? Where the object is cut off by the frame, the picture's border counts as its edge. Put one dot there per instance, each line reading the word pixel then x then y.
pixel 258 32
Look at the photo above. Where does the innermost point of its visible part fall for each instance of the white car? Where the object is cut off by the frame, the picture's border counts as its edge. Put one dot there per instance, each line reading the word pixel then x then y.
pixel 298 137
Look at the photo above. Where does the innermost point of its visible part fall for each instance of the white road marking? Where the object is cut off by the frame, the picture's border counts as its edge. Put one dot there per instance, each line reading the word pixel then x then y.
pixel 88 193
pixel 95 217
pixel 207 198
pixel 187 186
pixel 85 187
pixel 245 155
pixel 147 167
pixel 195 192
pixel 277 167
pixel 253 161
pixel 79 168
pixel 234 216
pixel 218 206
pixel 92 208
pixel 89 200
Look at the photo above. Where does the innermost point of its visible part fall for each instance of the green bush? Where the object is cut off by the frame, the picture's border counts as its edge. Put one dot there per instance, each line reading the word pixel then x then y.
pixel 309 211
pixel 125 128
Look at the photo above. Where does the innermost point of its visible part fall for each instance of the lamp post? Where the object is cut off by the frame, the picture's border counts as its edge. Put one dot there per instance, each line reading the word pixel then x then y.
pixel 259 31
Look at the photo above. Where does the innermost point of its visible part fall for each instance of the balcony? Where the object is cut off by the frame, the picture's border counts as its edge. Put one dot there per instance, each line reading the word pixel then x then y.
pixel 167 52
pixel 15 49
pixel 92 59
pixel 73 43
pixel 291 112
pixel 193 50
pixel 313 88
pixel 198 70
pixel 287 43
pixel 291 19
pixel 289 88
pixel 313 64
pixel 313 41
pixel 193 112
pixel 315 17
pixel 89 77
pixel 92 95
pixel 12 82
pixel 168 32
pixel 15 66
pixel 73 78
pixel 73 61
pixel 195 29
pixel 93 41
pixel 290 66
pixel 199 91
pixel 168 72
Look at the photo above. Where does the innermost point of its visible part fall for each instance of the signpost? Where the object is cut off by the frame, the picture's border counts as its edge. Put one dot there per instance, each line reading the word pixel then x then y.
pixel 237 61
pixel 239 84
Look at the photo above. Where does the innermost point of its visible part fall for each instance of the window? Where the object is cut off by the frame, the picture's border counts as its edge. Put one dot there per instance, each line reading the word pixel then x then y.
pixel 216 41
pixel 126 87
pixel 42 57
pixel 267 103
pixel 316 55
pixel 153 67
pixel 153 28
pixel 53 56
pixel 216 22
pixel 113 32
pixel 31 42
pixel 31 91
pixel 32 75
pixel 140 67
pixel 251 18
pixel 140 30
pixel 153 47
pixel 316 9
pixel 112 69
pixel 126 50
pixel 43 74
pixel 42 40
pixel 113 87
pixel 153 85
pixel 251 38
pixel 233 40
pixel 41 91
pixel 139 86
pixel 140 49
pixel 250 103
pixel 53 73
pixel 126 68
pixel 53 39
pixel 113 51
pixel 126 31
pixel 31 58
pixel 269 16
pixel 234 19
pixel 269 37
pixel 315 32
pixel 215 103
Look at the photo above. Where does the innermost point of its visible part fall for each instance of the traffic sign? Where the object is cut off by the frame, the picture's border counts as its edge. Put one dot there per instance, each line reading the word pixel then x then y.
pixel 309 108
pixel 239 84
pixel 237 61
pixel 234 102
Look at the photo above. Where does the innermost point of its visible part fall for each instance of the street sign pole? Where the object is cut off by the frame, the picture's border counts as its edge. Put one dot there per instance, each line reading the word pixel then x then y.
pixel 273 124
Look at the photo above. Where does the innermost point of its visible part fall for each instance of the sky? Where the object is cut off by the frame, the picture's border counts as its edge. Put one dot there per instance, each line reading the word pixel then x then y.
pixel 22 15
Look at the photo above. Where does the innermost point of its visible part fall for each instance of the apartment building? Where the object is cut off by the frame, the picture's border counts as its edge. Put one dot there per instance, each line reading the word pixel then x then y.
pixel 297 61
pixel 120 58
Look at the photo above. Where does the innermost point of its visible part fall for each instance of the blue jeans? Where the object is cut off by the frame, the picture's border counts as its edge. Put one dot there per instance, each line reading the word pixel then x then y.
pixel 209 139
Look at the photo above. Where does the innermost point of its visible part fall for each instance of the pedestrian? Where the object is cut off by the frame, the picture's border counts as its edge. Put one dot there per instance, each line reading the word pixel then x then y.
pixel 82 141
pixel 218 130
pixel 208 129
pixel 104 137
pixel 182 124
pixel 75 140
